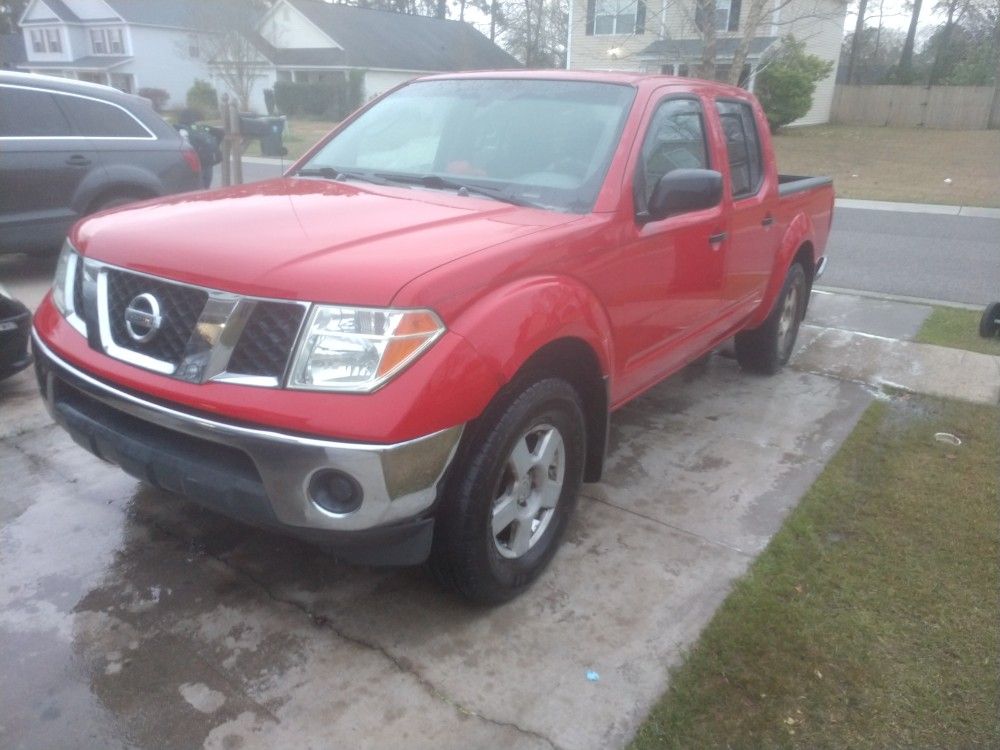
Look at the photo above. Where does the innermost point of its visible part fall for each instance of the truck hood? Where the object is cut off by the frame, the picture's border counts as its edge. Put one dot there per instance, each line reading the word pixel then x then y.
pixel 307 239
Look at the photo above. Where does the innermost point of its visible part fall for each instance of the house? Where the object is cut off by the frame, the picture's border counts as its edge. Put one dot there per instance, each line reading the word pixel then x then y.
pixel 661 36
pixel 128 44
pixel 309 41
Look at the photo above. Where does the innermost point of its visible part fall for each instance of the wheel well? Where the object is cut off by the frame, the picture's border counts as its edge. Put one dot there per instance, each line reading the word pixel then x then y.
pixel 573 360
pixel 119 191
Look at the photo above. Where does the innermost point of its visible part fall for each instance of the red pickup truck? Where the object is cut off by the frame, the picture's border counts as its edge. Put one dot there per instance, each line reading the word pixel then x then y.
pixel 408 347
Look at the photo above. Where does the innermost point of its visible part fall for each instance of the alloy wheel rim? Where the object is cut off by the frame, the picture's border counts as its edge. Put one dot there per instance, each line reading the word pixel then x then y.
pixel 789 312
pixel 528 490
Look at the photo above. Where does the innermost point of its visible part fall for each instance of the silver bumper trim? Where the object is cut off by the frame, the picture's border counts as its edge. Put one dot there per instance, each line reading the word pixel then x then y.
pixel 399 480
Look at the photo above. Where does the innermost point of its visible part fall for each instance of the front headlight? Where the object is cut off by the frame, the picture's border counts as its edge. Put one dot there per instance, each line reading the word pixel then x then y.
pixel 62 292
pixel 360 349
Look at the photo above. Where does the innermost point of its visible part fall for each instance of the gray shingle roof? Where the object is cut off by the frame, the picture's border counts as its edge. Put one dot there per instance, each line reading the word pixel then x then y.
pixel 397 41
pixel 181 14
pixel 688 49
pixel 61 10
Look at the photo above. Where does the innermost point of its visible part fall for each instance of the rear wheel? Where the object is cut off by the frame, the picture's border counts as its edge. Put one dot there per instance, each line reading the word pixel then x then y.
pixel 766 348
pixel 114 201
pixel 511 497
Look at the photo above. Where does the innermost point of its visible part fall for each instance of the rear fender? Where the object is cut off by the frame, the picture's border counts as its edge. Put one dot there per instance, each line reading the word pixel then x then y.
pixel 799 232
pixel 113 179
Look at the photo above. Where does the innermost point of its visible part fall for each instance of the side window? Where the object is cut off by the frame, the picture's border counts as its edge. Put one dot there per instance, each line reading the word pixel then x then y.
pixel 99 120
pixel 29 113
pixel 746 164
pixel 675 140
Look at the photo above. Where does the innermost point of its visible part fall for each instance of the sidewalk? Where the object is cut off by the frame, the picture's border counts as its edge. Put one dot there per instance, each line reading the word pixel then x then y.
pixel 868 341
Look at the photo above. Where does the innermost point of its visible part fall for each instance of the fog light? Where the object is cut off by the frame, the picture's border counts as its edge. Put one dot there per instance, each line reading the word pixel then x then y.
pixel 335 492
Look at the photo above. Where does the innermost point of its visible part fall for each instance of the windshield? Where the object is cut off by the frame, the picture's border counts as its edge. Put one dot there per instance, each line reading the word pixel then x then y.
pixel 536 142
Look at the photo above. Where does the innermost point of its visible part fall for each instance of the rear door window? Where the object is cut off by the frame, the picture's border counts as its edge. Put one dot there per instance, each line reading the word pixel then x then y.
pixel 675 140
pixel 96 119
pixel 31 113
pixel 746 164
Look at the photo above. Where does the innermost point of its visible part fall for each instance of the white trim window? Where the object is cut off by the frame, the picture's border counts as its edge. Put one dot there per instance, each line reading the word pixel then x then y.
pixel 107 41
pixel 614 17
pixel 47 40
pixel 727 15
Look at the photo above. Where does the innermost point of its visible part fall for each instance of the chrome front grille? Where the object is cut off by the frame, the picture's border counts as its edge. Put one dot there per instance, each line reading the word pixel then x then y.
pixel 200 334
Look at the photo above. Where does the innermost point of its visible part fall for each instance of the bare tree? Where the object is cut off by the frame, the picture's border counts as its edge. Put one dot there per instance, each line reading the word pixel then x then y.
pixel 859 28
pixel 228 35
pixel 905 71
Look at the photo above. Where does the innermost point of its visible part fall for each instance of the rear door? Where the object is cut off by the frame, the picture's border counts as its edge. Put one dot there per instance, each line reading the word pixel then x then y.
pixel 42 165
pixel 753 238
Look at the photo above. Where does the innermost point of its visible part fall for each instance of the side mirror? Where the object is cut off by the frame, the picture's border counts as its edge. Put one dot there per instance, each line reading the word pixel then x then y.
pixel 682 190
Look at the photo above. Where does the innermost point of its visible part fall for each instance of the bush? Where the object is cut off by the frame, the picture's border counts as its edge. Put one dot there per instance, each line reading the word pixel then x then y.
pixel 158 97
pixel 333 99
pixel 788 81
pixel 269 101
pixel 202 96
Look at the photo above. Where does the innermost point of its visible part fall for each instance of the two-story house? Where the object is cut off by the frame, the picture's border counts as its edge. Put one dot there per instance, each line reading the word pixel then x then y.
pixel 663 36
pixel 128 44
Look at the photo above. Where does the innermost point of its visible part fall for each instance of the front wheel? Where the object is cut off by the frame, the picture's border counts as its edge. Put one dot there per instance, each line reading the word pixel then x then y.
pixel 765 349
pixel 506 507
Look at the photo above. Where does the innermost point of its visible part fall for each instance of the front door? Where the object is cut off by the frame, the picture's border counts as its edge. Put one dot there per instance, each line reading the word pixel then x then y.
pixel 677 265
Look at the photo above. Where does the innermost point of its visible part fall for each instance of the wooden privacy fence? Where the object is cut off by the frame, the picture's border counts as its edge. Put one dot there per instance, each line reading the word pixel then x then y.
pixel 946 107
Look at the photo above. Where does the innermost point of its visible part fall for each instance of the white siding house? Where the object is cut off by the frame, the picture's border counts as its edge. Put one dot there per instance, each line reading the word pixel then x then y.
pixel 128 44
pixel 662 36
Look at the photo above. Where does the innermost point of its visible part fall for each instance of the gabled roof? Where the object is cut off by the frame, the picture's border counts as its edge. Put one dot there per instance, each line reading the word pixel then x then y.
pixel 61 10
pixel 396 41
pixel 687 49
pixel 179 14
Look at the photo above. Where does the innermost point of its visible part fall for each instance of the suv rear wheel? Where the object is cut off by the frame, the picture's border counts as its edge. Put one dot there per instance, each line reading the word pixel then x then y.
pixel 511 496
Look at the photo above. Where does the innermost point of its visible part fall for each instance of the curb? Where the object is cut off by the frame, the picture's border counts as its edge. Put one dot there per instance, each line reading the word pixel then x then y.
pixel 979 212
pixel 896 298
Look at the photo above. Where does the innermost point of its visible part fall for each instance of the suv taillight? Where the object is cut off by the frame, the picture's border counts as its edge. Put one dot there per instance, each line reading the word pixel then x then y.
pixel 191 157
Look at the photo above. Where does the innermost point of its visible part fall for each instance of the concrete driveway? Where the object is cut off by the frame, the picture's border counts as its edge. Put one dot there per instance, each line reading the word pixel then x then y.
pixel 130 618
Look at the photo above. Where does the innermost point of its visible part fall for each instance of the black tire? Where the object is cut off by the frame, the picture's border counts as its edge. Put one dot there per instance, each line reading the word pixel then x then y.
pixel 466 555
pixel 114 201
pixel 765 349
pixel 989 324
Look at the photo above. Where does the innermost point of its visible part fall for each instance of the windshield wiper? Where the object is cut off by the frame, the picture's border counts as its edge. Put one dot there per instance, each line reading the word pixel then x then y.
pixel 436 182
pixel 332 173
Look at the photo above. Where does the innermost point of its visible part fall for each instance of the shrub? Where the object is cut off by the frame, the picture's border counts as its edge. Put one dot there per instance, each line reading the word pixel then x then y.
pixel 788 81
pixel 202 96
pixel 158 97
pixel 333 99
pixel 269 101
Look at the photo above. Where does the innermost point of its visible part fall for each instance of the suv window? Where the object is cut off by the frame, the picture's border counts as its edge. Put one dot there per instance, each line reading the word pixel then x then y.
pixel 30 113
pixel 675 140
pixel 746 165
pixel 99 119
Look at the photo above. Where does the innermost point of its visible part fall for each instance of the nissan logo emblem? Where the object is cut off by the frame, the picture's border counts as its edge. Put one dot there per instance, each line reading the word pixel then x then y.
pixel 142 317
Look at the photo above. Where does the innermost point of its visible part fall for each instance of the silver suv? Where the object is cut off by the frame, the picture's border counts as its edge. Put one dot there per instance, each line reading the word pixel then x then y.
pixel 69 148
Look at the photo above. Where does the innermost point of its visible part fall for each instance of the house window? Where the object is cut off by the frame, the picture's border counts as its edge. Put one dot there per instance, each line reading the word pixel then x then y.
pixel 107 42
pixel 194 49
pixel 37 40
pixel 727 15
pixel 606 17
pixel 54 39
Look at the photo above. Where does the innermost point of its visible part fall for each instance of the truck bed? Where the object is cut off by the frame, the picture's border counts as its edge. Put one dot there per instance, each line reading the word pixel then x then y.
pixel 794 183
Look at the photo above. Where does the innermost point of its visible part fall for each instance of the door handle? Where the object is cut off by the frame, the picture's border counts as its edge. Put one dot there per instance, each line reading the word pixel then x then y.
pixel 715 239
pixel 767 221
pixel 78 160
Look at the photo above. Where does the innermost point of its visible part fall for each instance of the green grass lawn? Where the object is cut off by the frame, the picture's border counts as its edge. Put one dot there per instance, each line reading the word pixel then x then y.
pixel 871 620
pixel 897 164
pixel 959 329
pixel 299 136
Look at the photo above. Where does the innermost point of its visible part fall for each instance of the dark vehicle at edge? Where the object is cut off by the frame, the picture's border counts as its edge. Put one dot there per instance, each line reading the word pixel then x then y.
pixel 69 148
pixel 15 325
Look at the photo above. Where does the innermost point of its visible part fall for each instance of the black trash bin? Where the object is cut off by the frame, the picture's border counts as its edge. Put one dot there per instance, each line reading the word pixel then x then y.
pixel 269 130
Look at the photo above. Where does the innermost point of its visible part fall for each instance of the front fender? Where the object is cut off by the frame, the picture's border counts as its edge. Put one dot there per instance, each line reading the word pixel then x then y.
pixel 514 321
pixel 799 232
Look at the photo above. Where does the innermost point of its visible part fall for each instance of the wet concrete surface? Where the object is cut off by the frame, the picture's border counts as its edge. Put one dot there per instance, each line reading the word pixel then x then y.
pixel 131 618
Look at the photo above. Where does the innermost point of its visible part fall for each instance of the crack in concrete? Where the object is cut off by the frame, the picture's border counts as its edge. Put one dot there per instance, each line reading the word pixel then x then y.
pixel 321 621
pixel 678 529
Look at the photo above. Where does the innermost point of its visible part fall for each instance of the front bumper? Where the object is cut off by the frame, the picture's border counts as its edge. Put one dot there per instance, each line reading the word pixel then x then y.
pixel 255 474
